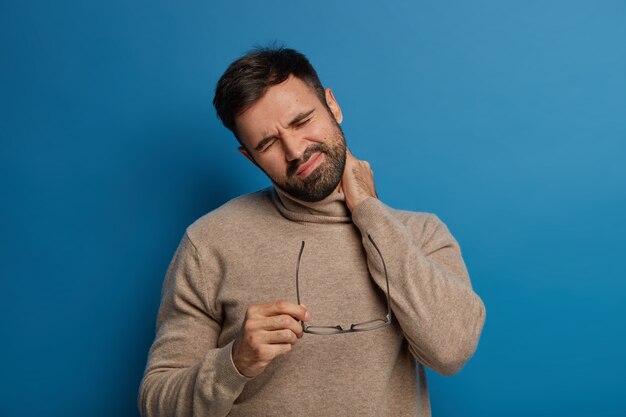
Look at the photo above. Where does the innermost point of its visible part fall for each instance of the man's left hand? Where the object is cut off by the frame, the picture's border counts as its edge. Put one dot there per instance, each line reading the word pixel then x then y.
pixel 357 182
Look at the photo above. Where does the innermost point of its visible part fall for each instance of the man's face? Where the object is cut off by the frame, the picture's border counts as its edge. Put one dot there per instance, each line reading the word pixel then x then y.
pixel 295 139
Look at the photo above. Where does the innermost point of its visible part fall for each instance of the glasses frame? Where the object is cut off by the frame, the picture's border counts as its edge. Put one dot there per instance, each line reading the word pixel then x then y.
pixel 338 329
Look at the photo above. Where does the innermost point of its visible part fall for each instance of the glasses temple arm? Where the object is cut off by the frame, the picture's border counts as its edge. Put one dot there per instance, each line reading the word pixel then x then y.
pixel 298 273
pixel 386 276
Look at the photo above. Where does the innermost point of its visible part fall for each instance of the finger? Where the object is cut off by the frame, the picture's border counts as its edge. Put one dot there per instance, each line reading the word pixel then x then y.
pixel 280 337
pixel 281 322
pixel 267 352
pixel 350 156
pixel 297 311
pixel 280 349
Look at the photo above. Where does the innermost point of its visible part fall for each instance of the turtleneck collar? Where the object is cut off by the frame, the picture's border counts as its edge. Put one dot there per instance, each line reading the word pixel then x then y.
pixel 332 209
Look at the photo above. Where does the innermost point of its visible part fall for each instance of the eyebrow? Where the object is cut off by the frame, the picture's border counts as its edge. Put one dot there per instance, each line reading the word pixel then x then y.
pixel 299 117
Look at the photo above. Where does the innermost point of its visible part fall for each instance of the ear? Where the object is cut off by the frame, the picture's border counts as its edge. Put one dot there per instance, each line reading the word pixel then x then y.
pixel 245 153
pixel 333 105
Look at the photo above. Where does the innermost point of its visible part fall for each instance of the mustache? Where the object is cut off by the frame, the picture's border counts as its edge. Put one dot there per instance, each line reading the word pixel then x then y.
pixel 293 166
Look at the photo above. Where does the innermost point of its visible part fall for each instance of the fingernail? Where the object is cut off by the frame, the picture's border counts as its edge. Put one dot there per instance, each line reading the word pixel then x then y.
pixel 307 316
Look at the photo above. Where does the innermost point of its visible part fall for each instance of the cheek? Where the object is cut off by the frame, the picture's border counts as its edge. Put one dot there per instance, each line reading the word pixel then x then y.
pixel 316 134
pixel 273 164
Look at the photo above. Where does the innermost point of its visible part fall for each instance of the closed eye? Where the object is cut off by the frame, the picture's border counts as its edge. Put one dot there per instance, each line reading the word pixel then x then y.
pixel 268 145
pixel 302 123
pixel 302 119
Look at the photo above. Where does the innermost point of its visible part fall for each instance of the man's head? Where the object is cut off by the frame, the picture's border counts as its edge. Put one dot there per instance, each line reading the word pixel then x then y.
pixel 286 122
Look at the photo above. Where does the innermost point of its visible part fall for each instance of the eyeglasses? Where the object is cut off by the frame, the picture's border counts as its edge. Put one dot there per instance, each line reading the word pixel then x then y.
pixel 357 327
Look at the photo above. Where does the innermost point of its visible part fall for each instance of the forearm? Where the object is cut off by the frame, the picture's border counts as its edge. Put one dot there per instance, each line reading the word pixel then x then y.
pixel 209 387
pixel 432 298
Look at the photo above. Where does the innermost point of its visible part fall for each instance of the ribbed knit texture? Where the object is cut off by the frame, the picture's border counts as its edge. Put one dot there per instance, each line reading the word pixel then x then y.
pixel 245 253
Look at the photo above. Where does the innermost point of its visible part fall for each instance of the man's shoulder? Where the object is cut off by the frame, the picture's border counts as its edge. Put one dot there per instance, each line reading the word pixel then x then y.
pixel 429 226
pixel 410 214
pixel 236 212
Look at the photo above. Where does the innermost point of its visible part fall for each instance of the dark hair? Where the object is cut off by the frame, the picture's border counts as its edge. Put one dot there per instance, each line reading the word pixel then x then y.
pixel 247 79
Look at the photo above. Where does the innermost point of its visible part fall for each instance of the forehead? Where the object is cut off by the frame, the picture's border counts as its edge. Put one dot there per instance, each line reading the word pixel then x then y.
pixel 280 104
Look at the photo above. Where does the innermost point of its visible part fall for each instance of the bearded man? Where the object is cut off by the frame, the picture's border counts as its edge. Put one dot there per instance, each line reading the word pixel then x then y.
pixel 310 297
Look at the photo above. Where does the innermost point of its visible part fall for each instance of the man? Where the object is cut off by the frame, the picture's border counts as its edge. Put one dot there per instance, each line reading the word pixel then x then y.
pixel 316 249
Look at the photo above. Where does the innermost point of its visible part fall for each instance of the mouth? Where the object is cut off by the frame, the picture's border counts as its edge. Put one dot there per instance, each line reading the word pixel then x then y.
pixel 309 166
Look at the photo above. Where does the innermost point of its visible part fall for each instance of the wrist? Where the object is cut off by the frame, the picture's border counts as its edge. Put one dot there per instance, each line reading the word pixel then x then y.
pixel 233 358
pixel 353 203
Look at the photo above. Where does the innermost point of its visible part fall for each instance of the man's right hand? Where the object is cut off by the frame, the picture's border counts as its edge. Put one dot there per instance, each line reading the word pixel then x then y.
pixel 269 330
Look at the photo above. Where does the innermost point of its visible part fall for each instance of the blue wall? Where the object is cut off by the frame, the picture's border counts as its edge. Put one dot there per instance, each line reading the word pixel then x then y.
pixel 507 119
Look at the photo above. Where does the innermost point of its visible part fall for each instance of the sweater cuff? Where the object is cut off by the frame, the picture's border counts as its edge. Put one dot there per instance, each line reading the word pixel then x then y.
pixel 232 363
pixel 366 213
pixel 226 375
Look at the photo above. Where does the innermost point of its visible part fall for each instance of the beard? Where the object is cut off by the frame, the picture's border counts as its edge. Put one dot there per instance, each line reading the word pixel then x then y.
pixel 320 183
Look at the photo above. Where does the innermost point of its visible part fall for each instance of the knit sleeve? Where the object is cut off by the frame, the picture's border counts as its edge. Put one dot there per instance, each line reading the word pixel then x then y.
pixel 431 295
pixel 187 373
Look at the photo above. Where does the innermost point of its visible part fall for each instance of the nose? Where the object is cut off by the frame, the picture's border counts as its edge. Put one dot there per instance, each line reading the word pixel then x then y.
pixel 293 146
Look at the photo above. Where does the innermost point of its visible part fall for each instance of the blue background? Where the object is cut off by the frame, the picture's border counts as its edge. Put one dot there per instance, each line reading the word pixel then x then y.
pixel 507 119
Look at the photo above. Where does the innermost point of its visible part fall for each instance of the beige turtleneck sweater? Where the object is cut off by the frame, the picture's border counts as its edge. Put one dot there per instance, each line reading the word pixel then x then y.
pixel 245 253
